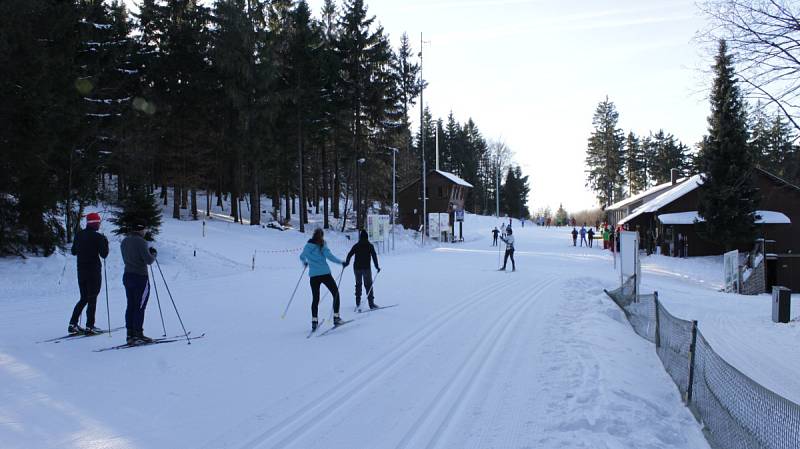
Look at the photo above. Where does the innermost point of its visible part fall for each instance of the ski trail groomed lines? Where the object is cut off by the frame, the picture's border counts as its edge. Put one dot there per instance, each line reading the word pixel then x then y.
pixel 313 412
pixel 462 383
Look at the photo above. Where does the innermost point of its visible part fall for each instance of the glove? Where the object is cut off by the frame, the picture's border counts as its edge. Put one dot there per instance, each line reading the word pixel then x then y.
pixel 345 264
pixel 153 252
pixel 379 269
pixel 305 264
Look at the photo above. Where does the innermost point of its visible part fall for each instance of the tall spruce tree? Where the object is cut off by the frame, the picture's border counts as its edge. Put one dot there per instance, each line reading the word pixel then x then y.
pixel 728 198
pixel 635 164
pixel 605 155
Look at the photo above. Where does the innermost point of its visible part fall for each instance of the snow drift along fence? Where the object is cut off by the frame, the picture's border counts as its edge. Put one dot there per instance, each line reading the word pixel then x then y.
pixel 736 411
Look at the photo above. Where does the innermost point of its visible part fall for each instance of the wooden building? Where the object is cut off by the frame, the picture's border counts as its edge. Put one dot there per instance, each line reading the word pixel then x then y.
pixel 446 193
pixel 669 221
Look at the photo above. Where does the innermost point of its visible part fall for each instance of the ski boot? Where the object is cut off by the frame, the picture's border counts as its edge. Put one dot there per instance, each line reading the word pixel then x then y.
pixel 75 329
pixel 337 321
pixel 92 330
pixel 373 306
pixel 314 324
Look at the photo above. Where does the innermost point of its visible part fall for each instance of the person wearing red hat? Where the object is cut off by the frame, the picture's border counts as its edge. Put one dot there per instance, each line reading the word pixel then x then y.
pixel 89 245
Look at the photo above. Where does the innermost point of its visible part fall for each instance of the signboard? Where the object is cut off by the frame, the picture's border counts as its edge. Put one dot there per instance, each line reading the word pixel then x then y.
pixel 378 227
pixel 629 264
pixel 731 271
pixel 459 214
pixel 438 223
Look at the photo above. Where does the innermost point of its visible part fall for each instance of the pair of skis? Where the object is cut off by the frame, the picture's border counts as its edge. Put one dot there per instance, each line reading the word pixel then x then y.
pixel 78 335
pixel 325 332
pixel 155 341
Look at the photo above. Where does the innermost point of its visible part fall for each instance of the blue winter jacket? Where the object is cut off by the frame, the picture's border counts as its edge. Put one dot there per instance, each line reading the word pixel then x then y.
pixel 317 266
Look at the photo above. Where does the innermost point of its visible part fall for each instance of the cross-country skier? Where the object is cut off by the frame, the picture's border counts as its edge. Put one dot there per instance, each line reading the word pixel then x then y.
pixel 89 245
pixel 364 252
pixel 590 233
pixel 495 233
pixel 583 236
pixel 509 241
pixel 137 256
pixel 314 256
pixel 574 237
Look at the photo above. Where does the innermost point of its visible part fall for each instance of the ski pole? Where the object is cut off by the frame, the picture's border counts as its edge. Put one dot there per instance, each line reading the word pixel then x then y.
pixel 293 293
pixel 158 301
pixel 173 303
pixel 373 283
pixel 63 270
pixel 338 282
pixel 108 309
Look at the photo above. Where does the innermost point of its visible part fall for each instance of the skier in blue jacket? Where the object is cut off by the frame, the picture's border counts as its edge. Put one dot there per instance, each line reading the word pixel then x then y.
pixel 314 256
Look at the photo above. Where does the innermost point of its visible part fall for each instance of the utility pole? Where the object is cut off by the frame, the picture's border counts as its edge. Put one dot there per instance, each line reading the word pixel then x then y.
pixel 437 147
pixel 394 191
pixel 422 146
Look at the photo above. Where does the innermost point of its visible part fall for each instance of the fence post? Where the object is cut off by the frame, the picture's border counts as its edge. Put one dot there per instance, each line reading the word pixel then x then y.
pixel 658 322
pixel 692 348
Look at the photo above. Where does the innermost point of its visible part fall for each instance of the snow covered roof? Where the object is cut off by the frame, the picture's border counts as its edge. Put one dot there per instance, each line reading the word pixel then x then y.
pixel 454 179
pixel 632 199
pixel 687 218
pixel 665 198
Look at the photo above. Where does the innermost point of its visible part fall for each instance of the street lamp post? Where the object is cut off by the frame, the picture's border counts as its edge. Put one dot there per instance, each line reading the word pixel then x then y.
pixel 359 218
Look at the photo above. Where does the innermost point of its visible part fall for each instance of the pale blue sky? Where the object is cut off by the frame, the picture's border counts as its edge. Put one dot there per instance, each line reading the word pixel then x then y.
pixel 532 72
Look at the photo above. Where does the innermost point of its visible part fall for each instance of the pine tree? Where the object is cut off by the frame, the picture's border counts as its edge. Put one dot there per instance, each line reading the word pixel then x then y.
pixel 561 216
pixel 668 154
pixel 605 155
pixel 138 209
pixel 40 129
pixel 728 198
pixel 635 165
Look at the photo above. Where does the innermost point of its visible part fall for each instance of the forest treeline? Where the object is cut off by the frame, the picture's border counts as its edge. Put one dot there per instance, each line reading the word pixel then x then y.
pixel 238 99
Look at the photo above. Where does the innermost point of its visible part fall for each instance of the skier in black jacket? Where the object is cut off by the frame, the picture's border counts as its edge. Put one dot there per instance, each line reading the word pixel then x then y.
pixel 363 250
pixel 89 245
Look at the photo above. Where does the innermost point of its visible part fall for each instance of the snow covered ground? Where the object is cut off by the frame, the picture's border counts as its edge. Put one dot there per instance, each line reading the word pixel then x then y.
pixel 471 358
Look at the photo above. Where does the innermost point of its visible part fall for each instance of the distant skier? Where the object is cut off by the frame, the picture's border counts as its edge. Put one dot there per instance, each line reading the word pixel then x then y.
pixel 606 237
pixel 574 237
pixel 314 256
pixel 137 256
pixel 583 236
pixel 364 252
pixel 509 241
pixel 495 233
pixel 89 246
pixel 590 233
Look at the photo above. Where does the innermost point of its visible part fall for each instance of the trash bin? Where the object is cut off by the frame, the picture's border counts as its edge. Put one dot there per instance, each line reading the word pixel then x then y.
pixel 781 304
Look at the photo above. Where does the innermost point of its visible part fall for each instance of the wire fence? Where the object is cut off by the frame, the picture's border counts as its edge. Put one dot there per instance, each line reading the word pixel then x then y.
pixel 735 411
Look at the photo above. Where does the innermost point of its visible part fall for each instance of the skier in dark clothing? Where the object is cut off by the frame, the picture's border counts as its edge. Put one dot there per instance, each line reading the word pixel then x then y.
pixel 314 256
pixel 590 233
pixel 495 233
pixel 137 256
pixel 574 237
pixel 364 252
pixel 89 246
pixel 509 241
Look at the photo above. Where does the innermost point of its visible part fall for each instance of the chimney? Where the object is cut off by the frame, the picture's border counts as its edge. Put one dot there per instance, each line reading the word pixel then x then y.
pixel 673 176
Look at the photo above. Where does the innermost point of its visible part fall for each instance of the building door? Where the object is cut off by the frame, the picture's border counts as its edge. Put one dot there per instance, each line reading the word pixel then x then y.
pixel 772 273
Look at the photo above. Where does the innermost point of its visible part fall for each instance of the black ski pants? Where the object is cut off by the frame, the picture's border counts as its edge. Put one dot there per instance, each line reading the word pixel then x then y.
pixel 89 285
pixel 137 290
pixel 316 281
pixel 509 253
pixel 591 239
pixel 494 242
pixel 365 277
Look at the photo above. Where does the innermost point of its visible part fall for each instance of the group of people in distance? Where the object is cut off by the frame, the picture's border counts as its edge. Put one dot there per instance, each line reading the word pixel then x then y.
pixel 90 246
pixel 587 236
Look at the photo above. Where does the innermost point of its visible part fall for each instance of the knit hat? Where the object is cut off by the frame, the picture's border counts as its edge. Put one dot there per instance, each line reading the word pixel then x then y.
pixel 93 219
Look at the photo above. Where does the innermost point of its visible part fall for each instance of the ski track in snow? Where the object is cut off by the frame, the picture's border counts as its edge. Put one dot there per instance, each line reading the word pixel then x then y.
pixel 474 358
